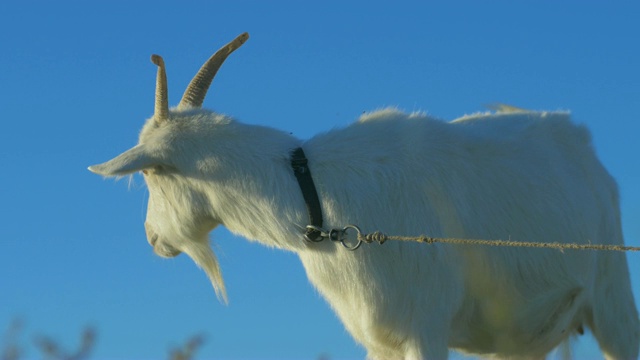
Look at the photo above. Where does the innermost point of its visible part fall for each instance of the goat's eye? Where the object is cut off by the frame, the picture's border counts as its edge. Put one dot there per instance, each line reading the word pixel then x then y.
pixel 154 170
pixel 157 170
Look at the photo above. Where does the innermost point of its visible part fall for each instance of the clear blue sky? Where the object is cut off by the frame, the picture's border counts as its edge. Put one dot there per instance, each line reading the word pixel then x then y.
pixel 76 84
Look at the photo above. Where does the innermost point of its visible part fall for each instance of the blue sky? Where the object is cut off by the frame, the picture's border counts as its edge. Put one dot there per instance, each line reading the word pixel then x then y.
pixel 76 84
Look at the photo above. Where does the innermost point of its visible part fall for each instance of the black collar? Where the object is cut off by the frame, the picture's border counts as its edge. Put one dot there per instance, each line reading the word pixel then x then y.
pixel 305 181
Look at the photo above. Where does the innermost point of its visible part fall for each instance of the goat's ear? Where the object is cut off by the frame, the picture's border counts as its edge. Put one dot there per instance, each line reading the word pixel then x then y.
pixel 130 161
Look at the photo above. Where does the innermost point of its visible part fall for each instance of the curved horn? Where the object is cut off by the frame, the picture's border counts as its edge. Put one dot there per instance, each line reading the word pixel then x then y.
pixel 162 100
pixel 197 89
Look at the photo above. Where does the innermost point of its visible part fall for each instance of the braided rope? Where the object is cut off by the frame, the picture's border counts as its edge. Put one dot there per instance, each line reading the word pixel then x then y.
pixel 381 238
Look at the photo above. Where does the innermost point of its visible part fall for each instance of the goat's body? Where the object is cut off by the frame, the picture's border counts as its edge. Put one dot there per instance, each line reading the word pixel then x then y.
pixel 528 177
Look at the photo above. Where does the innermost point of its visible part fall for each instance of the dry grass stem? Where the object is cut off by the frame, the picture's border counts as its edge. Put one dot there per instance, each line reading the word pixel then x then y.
pixel 188 350
pixel 51 350
pixel 10 349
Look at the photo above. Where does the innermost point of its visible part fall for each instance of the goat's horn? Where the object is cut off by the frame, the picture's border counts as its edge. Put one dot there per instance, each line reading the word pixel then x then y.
pixel 162 99
pixel 197 89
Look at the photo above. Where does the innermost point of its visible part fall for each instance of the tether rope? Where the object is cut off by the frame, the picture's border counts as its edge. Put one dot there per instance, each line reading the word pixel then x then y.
pixel 381 238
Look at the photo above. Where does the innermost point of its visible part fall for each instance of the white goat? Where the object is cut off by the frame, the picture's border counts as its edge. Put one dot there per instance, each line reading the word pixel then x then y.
pixel 528 176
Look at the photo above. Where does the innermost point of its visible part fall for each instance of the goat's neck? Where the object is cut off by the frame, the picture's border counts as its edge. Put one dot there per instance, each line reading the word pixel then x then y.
pixel 260 199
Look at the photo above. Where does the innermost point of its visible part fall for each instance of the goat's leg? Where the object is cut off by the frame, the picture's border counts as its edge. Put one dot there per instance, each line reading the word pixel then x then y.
pixel 615 318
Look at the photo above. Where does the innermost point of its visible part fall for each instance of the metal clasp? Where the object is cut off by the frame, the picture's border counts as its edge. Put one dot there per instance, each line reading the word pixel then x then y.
pixel 336 235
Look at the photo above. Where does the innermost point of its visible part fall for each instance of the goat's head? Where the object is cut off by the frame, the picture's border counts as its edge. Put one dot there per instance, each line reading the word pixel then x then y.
pixel 171 153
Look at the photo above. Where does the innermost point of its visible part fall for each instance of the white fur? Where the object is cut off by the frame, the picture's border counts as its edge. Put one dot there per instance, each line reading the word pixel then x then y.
pixel 528 176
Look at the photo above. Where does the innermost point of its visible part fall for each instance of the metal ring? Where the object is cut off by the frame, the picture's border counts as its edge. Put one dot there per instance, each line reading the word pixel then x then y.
pixel 344 232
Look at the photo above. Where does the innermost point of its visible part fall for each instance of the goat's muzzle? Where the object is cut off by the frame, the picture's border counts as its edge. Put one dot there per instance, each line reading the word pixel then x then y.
pixel 161 248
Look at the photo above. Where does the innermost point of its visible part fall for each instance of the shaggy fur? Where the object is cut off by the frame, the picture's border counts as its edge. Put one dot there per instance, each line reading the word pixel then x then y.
pixel 528 176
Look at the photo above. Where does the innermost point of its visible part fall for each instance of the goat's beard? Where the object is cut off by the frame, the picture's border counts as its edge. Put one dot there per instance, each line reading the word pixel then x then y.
pixel 203 256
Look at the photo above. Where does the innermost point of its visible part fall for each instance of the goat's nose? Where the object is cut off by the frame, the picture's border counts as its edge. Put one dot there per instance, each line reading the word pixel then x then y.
pixel 152 237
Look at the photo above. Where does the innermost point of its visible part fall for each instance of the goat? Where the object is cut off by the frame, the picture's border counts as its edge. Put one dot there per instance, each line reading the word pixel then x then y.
pixel 530 176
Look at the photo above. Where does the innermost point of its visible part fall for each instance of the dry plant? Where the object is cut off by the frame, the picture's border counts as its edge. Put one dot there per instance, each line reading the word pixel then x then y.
pixel 187 351
pixel 10 348
pixel 50 349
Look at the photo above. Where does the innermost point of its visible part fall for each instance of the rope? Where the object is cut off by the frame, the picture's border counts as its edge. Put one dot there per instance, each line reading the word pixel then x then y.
pixel 381 238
